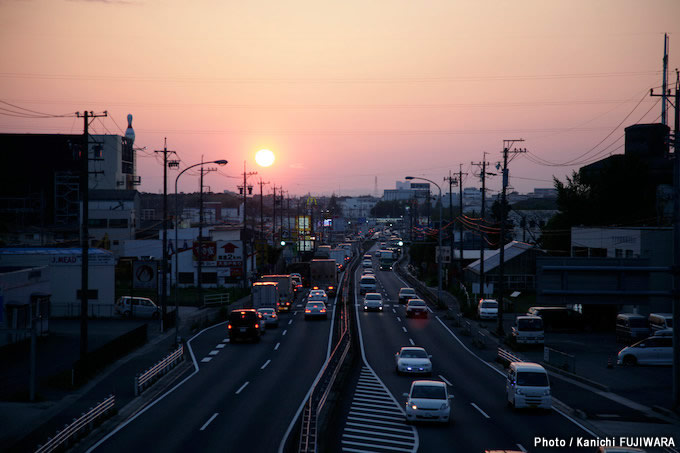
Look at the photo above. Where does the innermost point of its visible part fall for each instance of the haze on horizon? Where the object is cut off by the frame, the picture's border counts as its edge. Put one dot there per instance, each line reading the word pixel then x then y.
pixel 342 93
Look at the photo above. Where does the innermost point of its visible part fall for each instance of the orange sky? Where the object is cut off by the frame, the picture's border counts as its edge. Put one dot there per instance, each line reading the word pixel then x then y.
pixel 341 91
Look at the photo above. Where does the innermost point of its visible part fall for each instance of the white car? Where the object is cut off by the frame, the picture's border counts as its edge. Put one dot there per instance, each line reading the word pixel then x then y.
pixel 428 401
pixel 413 360
pixel 141 307
pixel 415 308
pixel 368 272
pixel 373 301
pixel 318 294
pixel 487 309
pixel 366 263
pixel 656 350
pixel 367 283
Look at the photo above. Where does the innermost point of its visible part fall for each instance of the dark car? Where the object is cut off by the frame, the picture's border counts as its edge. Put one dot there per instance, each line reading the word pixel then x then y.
pixel 244 324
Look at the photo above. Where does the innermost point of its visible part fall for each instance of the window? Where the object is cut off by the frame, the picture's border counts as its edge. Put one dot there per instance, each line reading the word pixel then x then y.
pixel 96 223
pixel 209 277
pixel 629 253
pixel 118 223
pixel 148 214
pixel 618 253
pixel 186 278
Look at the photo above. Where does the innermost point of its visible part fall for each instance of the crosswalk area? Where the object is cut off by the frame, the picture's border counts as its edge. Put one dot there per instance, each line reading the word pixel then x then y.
pixel 375 422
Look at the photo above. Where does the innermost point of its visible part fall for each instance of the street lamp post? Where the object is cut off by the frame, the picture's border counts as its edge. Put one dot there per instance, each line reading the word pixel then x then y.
pixel 218 162
pixel 437 256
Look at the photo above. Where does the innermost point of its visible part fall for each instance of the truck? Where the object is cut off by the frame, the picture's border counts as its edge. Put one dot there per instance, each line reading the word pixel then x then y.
pixel 265 295
pixel 323 251
pixel 286 293
pixel 324 275
pixel 386 260
pixel 340 256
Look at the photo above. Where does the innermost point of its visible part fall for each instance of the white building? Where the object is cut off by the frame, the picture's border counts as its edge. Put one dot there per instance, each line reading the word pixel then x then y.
pixel 24 302
pixel 357 207
pixel 113 218
pixel 64 265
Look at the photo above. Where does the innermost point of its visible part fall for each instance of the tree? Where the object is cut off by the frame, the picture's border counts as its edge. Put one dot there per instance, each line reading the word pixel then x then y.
pixel 391 208
pixel 334 207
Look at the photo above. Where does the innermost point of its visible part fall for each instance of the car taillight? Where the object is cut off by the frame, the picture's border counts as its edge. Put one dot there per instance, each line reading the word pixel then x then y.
pixel 330 287
pixel 308 311
pixel 228 326
pixel 274 315
pixel 257 326
pixel 323 310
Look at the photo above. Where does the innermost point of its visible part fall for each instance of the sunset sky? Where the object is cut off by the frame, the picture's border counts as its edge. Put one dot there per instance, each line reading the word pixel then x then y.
pixel 343 91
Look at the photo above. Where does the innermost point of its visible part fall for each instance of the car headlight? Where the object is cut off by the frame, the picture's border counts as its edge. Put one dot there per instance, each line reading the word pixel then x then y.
pixel 444 406
pixel 519 391
pixel 414 407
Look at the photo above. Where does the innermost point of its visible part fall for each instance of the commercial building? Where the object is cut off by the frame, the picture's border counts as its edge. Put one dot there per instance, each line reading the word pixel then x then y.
pixel 24 302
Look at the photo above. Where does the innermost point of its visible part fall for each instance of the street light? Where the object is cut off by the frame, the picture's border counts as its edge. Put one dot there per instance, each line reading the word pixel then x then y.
pixel 220 162
pixel 438 258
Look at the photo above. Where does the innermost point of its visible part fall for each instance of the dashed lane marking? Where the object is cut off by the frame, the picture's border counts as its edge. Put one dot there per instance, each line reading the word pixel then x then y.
pixel 521 447
pixel 445 380
pixel 220 346
pixel 242 387
pixel 277 346
pixel 480 410
pixel 214 352
pixel 404 329
pixel 265 364
pixel 208 422
pixel 206 359
pixel 412 342
pixel 285 332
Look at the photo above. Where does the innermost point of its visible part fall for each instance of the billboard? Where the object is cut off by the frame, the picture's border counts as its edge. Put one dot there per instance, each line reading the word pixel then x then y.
pixel 144 274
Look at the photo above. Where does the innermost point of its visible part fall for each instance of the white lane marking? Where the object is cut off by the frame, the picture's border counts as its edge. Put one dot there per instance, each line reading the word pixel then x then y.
pixel 445 380
pixel 208 422
pixel 214 352
pixel 290 322
pixel 376 416
pixel 412 342
pixel 394 310
pixel 206 359
pixel 373 445
pixel 429 309
pixel 398 319
pixel 372 407
pixel 363 431
pixel 295 313
pixel 385 428
pixel 242 387
pixel 404 329
pixel 373 400
pixel 265 364
pixel 277 346
pixel 370 418
pixel 299 305
pixel 521 447
pixel 226 340
pixel 220 346
pixel 480 410
pixel 285 332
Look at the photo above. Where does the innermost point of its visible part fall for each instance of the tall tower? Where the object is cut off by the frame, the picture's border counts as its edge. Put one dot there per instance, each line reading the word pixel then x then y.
pixel 375 187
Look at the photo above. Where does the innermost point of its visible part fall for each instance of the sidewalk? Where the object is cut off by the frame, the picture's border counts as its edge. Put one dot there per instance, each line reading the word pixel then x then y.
pixel 23 426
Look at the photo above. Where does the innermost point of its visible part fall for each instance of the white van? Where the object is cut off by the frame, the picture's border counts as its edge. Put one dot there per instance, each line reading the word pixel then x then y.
pixel 367 284
pixel 527 385
pixel 137 307
pixel 528 330
pixel 660 321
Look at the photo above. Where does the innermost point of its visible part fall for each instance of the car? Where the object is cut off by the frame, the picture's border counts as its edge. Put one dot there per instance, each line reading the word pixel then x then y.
pixel 527 385
pixel 377 253
pixel 367 283
pixel 655 350
pixel 318 294
pixel 315 309
pixel 138 307
pixel 407 293
pixel 428 401
pixel 413 360
pixel 367 257
pixel 270 316
pixel 487 309
pixel 368 272
pixel 244 323
pixel 373 301
pixel 366 263
pixel 263 322
pixel 415 308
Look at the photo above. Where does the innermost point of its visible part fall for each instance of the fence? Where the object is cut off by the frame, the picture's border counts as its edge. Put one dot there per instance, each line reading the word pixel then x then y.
pixel 147 378
pixel 216 299
pixel 506 357
pixel 79 426
pixel 559 359
pixel 72 310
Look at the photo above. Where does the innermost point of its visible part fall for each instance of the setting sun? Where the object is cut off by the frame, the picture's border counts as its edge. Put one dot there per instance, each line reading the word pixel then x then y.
pixel 264 158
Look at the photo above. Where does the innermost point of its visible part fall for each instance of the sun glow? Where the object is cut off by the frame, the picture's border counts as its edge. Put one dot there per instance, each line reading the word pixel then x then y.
pixel 264 158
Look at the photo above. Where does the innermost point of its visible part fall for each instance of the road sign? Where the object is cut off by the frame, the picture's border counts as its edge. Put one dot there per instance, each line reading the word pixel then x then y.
pixel 443 254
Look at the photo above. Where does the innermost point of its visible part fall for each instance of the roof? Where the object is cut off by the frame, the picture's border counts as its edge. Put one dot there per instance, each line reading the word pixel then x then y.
pixel 51 251
pixel 512 251
pixel 527 366
pixel 112 194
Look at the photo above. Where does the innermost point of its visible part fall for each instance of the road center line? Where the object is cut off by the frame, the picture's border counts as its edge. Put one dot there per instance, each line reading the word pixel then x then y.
pixel 265 364
pixel 521 447
pixel 394 310
pixel 445 380
pixel 208 422
pixel 290 322
pixel 411 341
pixel 284 332
pixel 398 319
pixel 480 411
pixel 404 329
pixel 242 387
pixel 277 346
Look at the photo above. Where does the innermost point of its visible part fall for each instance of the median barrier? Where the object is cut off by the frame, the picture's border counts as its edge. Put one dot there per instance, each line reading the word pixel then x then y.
pixel 149 377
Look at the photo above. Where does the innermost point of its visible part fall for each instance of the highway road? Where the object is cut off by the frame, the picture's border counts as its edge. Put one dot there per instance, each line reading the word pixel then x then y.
pixel 243 396
pixel 480 417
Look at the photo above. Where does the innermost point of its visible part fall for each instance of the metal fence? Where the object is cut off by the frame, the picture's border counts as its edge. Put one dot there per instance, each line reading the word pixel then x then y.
pixel 216 299
pixel 79 426
pixel 506 357
pixel 559 359
pixel 147 378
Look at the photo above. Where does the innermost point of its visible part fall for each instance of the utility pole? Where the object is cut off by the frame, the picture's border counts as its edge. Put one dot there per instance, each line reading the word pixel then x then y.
pixel 164 264
pixel 274 218
pixel 200 237
pixel 501 276
pixel 482 176
pixel 676 240
pixel 84 230
pixel 246 189
pixel 262 183
pixel 460 221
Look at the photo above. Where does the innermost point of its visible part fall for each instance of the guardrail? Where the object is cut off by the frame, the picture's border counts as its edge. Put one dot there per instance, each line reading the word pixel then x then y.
pixel 216 299
pixel 147 378
pixel 559 359
pixel 506 357
pixel 319 396
pixel 79 426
